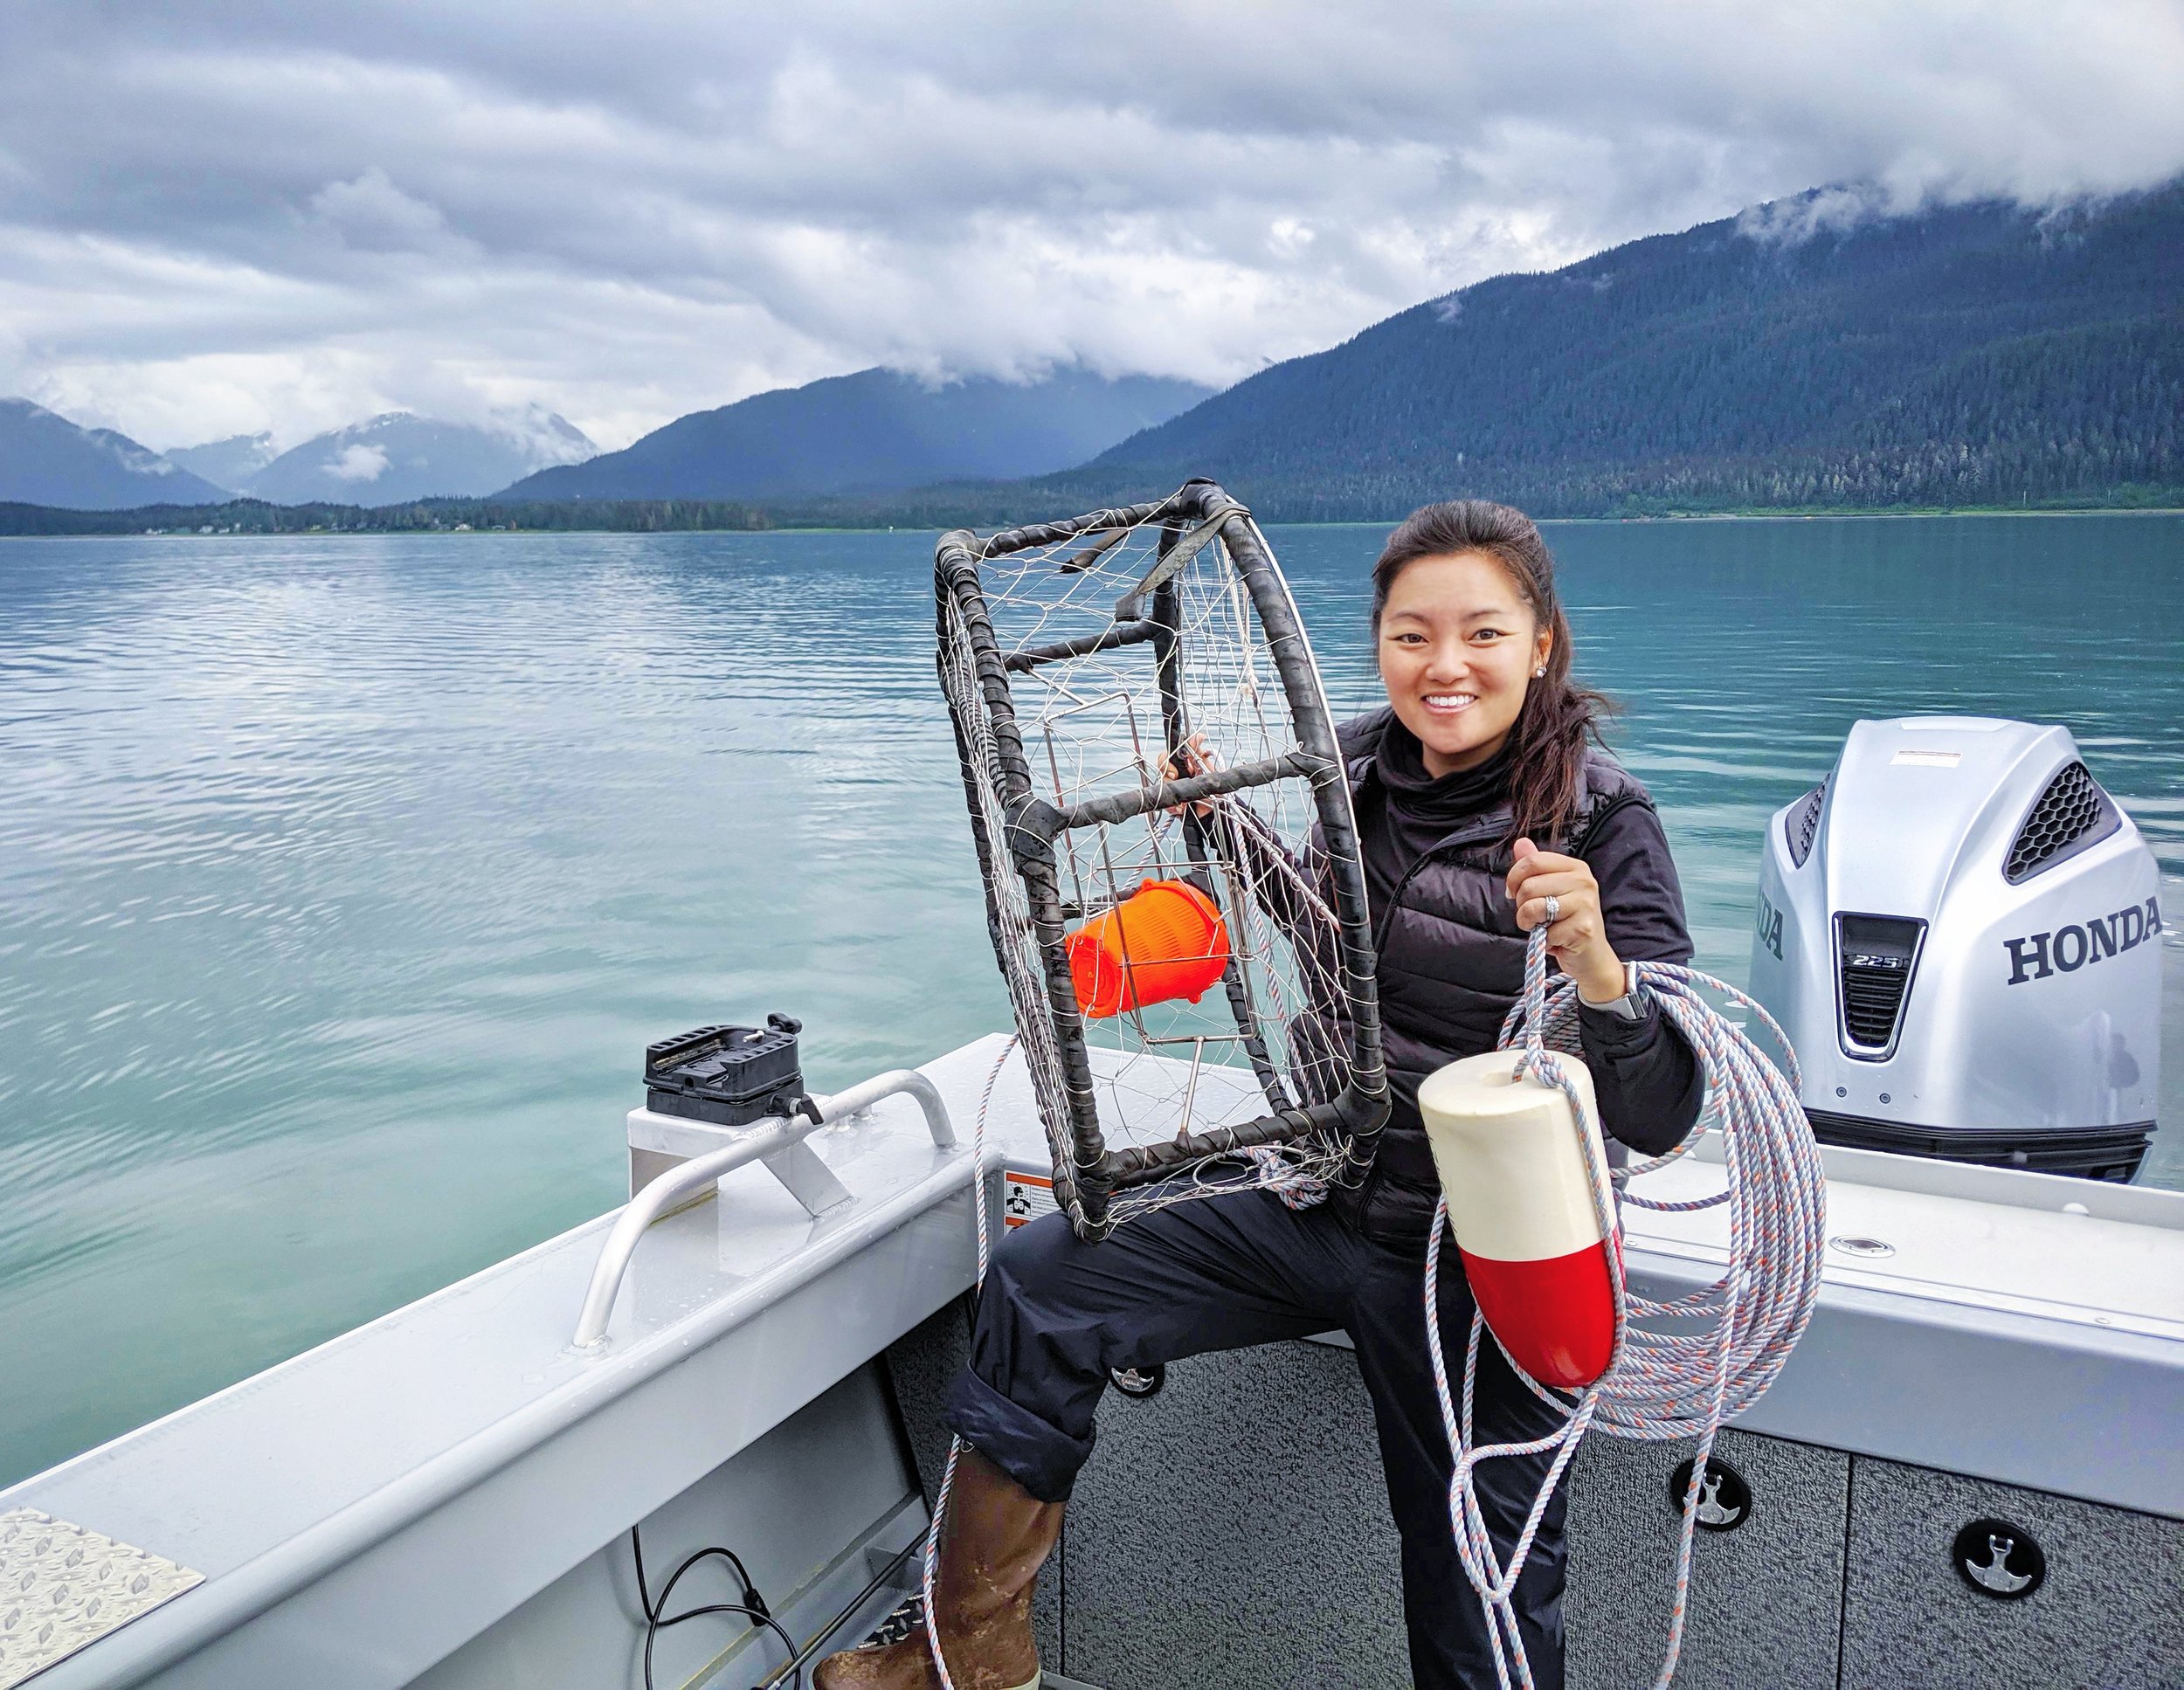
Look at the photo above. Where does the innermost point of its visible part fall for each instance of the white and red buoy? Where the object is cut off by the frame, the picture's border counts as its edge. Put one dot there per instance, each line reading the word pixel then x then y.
pixel 1522 1206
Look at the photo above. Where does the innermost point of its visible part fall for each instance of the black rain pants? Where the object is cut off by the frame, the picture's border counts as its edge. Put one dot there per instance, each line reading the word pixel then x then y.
pixel 1225 1273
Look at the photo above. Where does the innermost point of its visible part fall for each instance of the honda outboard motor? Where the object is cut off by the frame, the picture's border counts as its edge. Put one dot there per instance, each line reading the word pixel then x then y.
pixel 1959 930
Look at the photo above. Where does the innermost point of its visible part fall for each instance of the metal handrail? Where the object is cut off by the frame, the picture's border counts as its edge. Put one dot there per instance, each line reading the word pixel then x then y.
pixel 673 1186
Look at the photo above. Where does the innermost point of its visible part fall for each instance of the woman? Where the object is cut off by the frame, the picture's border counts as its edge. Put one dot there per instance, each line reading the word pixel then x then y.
pixel 1480 796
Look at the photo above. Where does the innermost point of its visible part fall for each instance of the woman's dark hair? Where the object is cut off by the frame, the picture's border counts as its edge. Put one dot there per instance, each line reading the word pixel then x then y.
pixel 1547 744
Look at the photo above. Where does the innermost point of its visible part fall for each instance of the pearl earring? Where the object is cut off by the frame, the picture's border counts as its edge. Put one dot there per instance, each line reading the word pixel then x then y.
pixel 1539 673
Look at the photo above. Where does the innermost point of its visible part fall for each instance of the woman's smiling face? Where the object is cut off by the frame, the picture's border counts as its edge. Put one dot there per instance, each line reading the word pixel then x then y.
pixel 1457 648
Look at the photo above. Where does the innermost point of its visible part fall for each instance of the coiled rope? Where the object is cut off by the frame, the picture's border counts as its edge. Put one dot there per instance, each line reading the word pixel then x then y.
pixel 1659 1384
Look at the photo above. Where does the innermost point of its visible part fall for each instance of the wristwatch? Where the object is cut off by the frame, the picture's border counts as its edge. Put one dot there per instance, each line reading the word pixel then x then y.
pixel 1630 1005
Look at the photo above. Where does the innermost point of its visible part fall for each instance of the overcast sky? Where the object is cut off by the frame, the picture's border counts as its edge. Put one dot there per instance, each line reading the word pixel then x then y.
pixel 225 216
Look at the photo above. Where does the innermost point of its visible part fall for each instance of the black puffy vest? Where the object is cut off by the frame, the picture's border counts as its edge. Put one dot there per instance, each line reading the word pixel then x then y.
pixel 1451 956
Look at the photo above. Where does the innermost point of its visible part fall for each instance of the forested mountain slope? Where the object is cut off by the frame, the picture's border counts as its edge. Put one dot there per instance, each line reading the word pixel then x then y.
pixel 1981 354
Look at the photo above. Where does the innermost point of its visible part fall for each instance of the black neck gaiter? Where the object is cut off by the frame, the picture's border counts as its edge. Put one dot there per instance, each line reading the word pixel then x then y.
pixel 1437 803
pixel 1417 811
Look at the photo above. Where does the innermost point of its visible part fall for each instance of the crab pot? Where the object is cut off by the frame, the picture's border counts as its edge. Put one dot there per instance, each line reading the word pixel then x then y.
pixel 1165 941
pixel 1086 664
pixel 1521 1205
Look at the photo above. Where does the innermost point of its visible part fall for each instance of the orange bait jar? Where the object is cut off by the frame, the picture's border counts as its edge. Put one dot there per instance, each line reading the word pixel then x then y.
pixel 1166 939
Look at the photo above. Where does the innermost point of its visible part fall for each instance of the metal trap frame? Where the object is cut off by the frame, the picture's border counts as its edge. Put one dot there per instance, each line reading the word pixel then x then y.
pixel 1133 697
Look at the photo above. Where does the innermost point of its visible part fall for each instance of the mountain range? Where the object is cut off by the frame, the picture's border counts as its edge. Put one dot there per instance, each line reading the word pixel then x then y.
pixel 879 429
pixel 874 432
pixel 391 459
pixel 1813 352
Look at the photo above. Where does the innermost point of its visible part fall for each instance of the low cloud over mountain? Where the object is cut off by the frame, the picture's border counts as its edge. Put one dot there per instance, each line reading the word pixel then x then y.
pixel 229 463
pixel 397 457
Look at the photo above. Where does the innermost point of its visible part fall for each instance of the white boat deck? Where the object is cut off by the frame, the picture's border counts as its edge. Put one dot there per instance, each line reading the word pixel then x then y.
pixel 2104 1256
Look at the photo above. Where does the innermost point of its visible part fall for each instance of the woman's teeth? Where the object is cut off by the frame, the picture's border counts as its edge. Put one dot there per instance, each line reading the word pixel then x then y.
pixel 1450 702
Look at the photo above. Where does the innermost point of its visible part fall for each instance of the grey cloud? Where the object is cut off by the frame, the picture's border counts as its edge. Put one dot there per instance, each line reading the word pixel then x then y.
pixel 232 216
pixel 371 214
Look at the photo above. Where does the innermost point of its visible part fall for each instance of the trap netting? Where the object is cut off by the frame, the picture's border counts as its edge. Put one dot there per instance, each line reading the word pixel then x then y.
pixel 1170 863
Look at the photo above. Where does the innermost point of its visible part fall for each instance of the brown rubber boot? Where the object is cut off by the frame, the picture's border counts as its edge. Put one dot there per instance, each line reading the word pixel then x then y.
pixel 997 1535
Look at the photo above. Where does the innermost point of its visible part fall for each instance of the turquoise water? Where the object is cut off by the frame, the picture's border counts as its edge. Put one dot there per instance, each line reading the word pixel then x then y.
pixel 343 880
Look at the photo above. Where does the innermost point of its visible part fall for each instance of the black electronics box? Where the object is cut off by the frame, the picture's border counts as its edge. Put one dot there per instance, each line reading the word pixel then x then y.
pixel 729 1076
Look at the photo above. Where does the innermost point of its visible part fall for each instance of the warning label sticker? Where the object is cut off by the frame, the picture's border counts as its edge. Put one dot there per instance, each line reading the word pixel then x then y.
pixel 1026 1198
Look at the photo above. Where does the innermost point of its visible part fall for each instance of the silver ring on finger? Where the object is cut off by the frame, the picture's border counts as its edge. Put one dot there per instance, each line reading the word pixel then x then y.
pixel 1555 909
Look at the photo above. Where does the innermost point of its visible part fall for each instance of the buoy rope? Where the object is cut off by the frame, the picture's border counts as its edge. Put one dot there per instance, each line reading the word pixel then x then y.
pixel 1659 1384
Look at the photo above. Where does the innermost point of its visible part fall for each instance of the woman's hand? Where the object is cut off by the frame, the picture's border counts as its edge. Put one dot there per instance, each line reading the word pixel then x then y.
pixel 1196 758
pixel 1577 940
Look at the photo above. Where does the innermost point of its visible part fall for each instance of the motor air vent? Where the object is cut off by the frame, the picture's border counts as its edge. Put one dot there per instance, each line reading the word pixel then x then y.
pixel 1875 957
pixel 2067 815
pixel 1802 825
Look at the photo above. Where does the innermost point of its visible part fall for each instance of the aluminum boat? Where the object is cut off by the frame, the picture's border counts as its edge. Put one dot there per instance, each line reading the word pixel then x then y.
pixel 1968 1474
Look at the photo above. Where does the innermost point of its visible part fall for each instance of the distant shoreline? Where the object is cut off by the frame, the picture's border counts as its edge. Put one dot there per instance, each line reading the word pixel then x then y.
pixel 452 517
